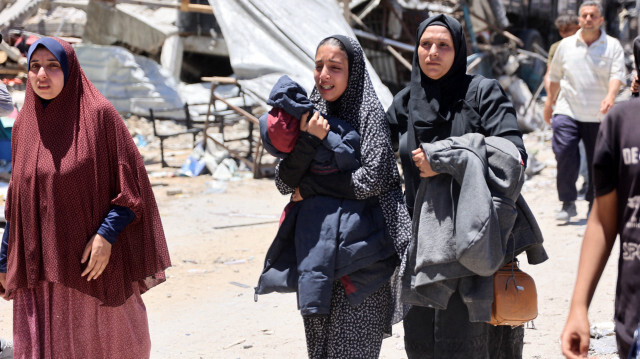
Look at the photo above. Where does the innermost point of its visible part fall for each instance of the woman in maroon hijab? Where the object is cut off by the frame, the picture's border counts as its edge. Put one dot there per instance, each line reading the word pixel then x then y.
pixel 83 237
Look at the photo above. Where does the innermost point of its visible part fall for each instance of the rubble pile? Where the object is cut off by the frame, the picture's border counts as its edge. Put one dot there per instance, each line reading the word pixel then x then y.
pixel 137 54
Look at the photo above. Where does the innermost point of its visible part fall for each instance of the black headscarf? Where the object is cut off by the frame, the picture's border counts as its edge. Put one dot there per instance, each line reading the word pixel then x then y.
pixel 432 100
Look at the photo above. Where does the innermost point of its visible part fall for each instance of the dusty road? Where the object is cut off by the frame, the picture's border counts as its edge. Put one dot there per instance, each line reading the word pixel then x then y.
pixel 218 233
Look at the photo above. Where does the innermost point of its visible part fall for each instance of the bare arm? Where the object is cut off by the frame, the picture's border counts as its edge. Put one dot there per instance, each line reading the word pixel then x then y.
pixel 547 81
pixel 552 95
pixel 614 87
pixel 599 238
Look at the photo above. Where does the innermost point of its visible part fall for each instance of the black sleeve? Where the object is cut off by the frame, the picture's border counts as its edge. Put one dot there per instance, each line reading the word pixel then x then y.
pixel 605 161
pixel 295 166
pixel 339 185
pixel 498 115
pixel 3 249
pixel 397 117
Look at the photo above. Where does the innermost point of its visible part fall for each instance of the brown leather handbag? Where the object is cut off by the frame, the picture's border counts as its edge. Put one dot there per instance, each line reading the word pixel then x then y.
pixel 515 299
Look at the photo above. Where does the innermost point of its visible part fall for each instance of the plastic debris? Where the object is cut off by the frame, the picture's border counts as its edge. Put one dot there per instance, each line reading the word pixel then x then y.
pixel 238 261
pixel 234 343
pixel 240 285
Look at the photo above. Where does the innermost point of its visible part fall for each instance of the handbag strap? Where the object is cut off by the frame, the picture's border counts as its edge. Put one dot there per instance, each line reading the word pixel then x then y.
pixel 513 267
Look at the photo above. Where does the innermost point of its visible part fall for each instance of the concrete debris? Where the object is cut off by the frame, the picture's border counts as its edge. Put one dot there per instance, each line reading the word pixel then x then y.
pixel 17 12
pixel 599 330
pixel 238 261
pixel 61 21
pixel 174 191
pixel 603 339
pixel 120 46
pixel 271 41
pixel 197 271
pixel 603 346
pixel 216 187
pixel 137 26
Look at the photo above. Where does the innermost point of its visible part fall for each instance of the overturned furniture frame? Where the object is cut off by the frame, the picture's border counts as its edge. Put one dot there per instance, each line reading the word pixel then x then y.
pixel 237 112
pixel 163 136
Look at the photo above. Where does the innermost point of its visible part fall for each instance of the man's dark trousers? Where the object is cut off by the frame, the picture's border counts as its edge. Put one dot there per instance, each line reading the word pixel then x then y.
pixel 567 133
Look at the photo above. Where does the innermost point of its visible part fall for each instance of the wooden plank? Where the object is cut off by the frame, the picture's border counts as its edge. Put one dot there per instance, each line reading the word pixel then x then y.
pixel 10 71
pixel 184 6
pixel 239 110
pixel 220 80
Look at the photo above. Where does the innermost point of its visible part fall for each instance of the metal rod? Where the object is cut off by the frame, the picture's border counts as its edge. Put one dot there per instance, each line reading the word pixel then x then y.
pixel 499 30
pixel 384 40
pixel 239 110
pixel 399 57
pixel 533 54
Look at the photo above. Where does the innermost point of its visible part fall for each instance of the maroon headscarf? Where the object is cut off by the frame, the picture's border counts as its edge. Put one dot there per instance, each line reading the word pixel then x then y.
pixel 72 161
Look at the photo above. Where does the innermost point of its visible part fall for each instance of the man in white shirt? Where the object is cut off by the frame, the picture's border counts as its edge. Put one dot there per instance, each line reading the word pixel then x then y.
pixel 587 71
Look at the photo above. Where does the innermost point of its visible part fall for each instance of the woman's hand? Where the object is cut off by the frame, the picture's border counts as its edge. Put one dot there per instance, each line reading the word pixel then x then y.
pixel 296 197
pixel 100 250
pixel 318 126
pixel 304 124
pixel 421 161
pixel 3 285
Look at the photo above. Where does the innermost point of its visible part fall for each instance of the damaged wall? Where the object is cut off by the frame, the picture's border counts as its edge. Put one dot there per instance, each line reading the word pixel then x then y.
pixel 134 25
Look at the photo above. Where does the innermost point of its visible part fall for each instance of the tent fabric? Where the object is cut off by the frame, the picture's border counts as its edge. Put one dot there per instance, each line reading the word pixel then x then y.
pixel 132 83
pixel 268 39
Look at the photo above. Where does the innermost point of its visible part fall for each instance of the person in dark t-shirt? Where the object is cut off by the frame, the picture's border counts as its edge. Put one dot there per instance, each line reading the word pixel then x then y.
pixel 616 211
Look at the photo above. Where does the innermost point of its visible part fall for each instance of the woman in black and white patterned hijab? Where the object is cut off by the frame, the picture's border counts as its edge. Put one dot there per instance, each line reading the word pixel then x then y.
pixel 378 175
pixel 344 90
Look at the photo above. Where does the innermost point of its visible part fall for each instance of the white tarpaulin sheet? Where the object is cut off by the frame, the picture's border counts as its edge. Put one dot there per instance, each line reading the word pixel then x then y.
pixel 132 83
pixel 268 39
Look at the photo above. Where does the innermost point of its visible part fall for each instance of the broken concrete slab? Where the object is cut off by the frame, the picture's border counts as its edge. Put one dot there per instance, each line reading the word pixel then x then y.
pixel 17 12
pixel 61 21
pixel 137 26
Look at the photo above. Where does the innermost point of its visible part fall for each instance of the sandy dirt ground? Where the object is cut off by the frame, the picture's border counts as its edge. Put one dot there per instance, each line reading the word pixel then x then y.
pixel 218 234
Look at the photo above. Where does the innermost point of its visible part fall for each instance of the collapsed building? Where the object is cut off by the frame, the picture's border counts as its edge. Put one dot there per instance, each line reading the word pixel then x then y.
pixel 156 54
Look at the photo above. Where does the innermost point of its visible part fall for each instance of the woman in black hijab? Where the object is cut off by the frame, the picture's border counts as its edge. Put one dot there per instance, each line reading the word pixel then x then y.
pixel 442 101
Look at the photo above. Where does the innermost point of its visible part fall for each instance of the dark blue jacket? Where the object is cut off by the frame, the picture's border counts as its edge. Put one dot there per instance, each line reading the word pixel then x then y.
pixel 323 239
pixel 341 146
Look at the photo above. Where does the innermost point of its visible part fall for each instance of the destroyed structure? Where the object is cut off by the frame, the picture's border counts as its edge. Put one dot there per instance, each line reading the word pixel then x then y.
pixel 209 67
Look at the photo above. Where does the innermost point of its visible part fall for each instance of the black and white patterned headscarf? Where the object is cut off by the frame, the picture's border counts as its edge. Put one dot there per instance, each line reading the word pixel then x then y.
pixel 378 176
